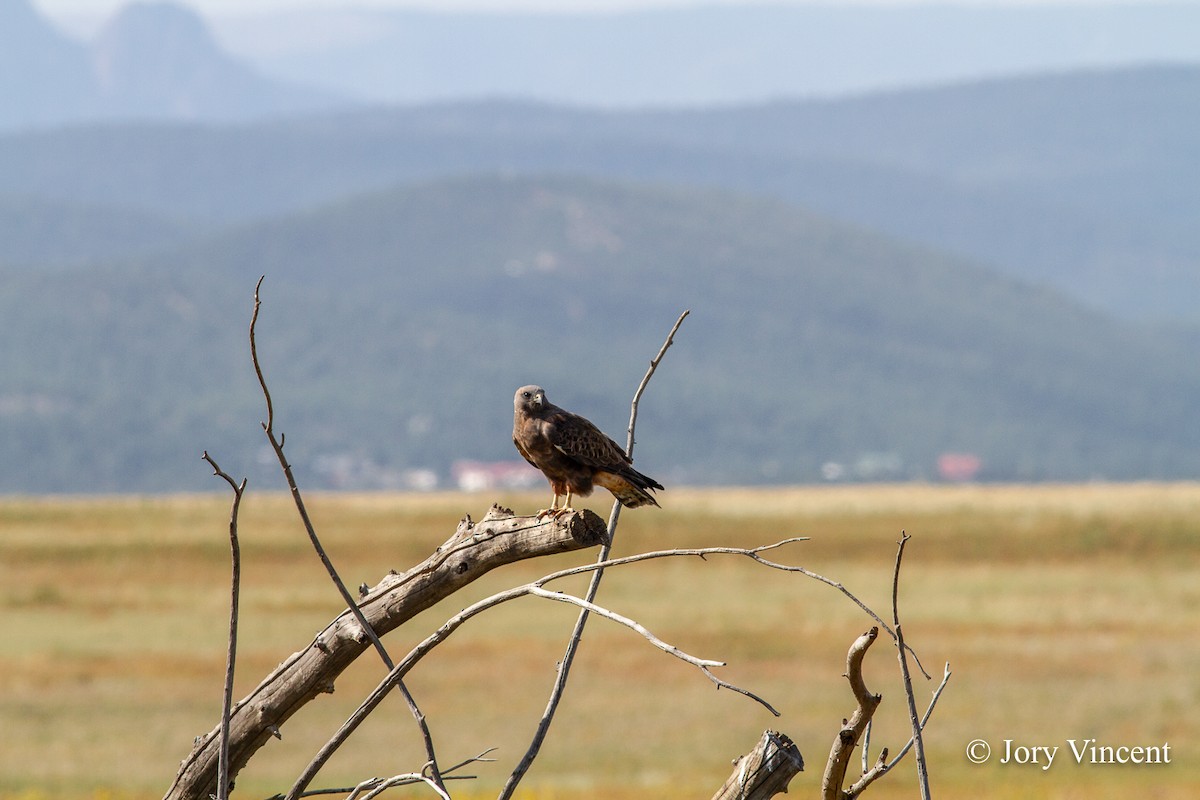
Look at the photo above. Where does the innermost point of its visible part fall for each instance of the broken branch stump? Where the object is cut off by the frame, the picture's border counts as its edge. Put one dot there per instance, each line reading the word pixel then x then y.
pixel 763 772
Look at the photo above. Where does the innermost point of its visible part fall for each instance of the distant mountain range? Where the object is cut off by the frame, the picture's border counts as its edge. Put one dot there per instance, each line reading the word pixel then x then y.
pixel 700 55
pixel 998 274
pixel 159 60
pixel 150 61
pixel 1083 182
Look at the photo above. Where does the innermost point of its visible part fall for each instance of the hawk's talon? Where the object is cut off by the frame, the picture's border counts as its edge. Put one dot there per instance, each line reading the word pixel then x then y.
pixel 554 513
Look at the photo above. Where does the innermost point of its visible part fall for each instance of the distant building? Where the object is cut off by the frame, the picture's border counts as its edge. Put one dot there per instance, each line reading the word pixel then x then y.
pixel 958 467
pixel 474 476
pixel 355 472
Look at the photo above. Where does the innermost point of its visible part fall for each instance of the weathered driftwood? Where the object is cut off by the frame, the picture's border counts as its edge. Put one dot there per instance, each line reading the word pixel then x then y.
pixel 475 549
pixel 763 772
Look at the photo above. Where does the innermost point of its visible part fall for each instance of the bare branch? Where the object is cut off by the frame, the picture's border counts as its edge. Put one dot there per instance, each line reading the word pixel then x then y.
pixel 925 717
pixel 852 729
pixel 235 583
pixel 564 665
pixel 918 740
pixel 654 362
pixel 373 787
pixel 841 588
pixel 377 785
pixel 702 664
pixel 536 591
pixel 277 446
pixel 866 747
pixel 400 780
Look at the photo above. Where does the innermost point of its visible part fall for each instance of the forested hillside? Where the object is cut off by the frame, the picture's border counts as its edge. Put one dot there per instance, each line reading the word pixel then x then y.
pixel 397 324
pixel 1083 182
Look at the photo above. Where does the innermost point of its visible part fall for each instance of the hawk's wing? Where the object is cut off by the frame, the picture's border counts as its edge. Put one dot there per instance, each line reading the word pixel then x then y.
pixel 524 453
pixel 579 439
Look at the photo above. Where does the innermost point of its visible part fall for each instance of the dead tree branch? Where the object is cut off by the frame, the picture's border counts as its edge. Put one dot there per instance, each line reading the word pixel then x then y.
pixel 763 772
pixel 373 787
pixel 849 595
pixel 277 446
pixel 474 550
pixel 852 729
pixel 235 584
pixel 564 665
pixel 918 740
pixel 834 779
pixel 702 664
pixel 534 588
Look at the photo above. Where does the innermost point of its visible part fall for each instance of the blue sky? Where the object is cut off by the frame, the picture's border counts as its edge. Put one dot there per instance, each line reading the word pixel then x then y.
pixel 223 7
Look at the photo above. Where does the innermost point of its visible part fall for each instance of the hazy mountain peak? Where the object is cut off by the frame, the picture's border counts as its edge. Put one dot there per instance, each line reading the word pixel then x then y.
pixel 29 45
pixel 157 56
pixel 144 36
pixel 151 60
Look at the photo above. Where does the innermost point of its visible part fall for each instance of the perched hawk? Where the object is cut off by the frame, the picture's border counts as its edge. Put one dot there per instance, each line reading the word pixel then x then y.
pixel 573 454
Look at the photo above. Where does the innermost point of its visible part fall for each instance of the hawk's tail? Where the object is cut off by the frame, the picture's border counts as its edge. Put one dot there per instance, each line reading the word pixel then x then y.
pixel 630 487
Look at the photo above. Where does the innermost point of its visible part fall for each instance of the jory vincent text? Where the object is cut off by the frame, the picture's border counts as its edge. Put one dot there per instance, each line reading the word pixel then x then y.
pixel 1084 751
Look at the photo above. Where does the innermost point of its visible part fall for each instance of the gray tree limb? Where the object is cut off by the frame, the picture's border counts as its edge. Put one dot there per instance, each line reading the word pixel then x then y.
pixel 852 730
pixel 474 550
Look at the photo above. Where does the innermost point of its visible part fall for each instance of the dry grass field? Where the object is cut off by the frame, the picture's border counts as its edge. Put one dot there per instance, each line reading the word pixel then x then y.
pixel 1065 612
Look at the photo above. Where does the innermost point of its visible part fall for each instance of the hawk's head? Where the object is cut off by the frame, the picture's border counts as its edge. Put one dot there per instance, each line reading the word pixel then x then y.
pixel 529 399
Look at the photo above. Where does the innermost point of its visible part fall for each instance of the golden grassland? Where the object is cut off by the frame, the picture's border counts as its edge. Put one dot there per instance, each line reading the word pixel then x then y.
pixel 1065 612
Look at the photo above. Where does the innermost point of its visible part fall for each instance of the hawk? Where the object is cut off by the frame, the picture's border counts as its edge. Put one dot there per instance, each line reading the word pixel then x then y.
pixel 574 454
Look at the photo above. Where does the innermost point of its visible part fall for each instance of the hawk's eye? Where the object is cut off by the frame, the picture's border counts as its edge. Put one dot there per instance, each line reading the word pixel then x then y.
pixel 526 395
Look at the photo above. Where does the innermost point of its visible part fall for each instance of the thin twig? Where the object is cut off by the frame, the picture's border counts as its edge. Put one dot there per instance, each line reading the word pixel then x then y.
pixel 918 740
pixel 235 583
pixel 399 780
pixel 377 785
pixel 702 664
pixel 866 746
pixel 347 598
pixel 850 595
pixel 654 362
pixel 568 659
